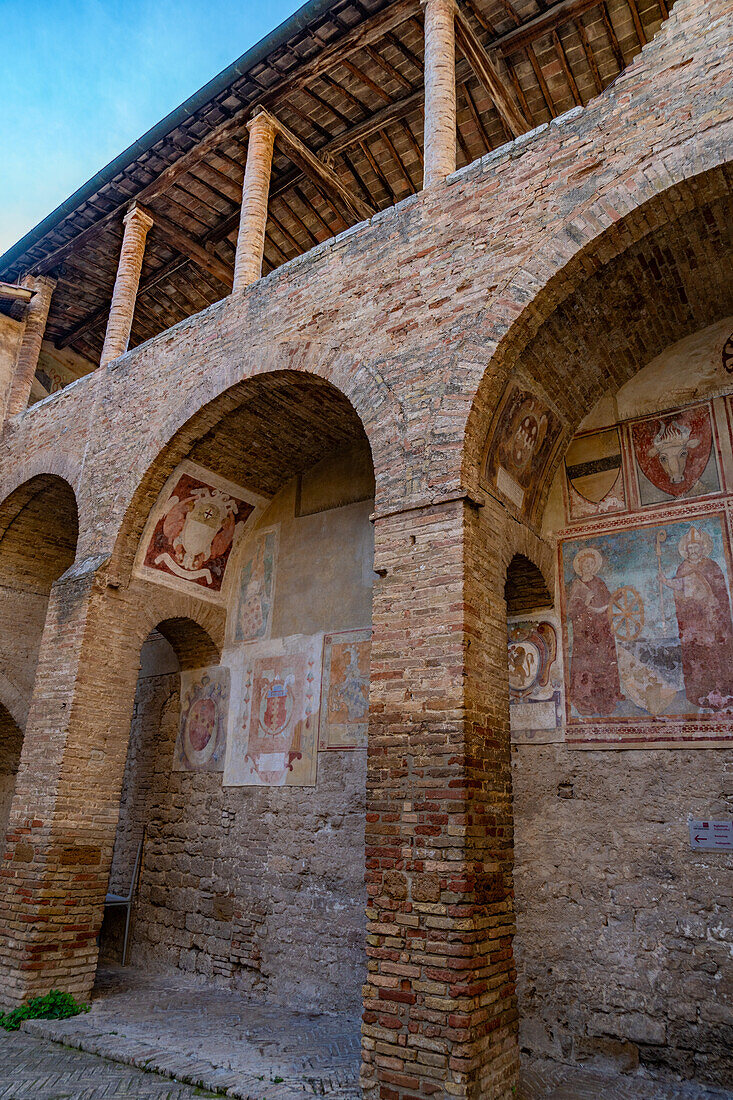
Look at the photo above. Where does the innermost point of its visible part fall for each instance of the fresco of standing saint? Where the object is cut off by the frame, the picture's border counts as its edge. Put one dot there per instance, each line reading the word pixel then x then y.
pixel 704 621
pixel 594 679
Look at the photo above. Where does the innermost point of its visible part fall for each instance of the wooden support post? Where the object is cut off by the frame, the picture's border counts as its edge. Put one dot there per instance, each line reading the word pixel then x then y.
pixel 489 75
pixel 255 194
pixel 30 345
pixel 122 310
pixel 440 90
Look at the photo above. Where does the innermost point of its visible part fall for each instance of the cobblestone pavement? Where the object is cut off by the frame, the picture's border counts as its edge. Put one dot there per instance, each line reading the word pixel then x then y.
pixel 34 1069
pixel 212 1038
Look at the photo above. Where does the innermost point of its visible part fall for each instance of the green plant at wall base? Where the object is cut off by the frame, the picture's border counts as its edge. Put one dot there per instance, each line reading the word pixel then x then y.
pixel 54 1006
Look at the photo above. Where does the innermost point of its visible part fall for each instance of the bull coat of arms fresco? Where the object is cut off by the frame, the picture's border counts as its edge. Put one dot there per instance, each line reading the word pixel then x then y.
pixel 202 731
pixel 273 738
pixel 191 531
pixel 649 632
pixel 675 456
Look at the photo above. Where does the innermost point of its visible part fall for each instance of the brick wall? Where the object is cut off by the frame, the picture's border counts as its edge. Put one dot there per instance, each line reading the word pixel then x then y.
pixel 532 260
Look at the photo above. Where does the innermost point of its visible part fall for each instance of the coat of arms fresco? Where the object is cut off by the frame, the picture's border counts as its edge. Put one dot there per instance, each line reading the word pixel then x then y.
pixel 535 681
pixel 202 731
pixel 345 690
pixel 273 738
pixel 649 632
pixel 253 588
pixel 191 531
pixel 675 455
pixel 520 447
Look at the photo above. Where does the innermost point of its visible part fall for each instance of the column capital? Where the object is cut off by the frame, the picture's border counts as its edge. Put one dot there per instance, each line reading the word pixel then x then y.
pixel 139 214
pixel 262 120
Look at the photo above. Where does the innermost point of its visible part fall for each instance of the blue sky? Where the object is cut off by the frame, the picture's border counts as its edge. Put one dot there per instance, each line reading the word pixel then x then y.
pixel 83 78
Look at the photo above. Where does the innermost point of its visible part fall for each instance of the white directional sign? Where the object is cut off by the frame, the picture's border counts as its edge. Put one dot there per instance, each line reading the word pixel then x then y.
pixel 713 836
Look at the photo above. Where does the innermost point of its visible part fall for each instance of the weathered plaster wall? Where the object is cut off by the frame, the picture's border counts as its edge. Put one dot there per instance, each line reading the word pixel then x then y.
pixel 259 887
pixel 624 933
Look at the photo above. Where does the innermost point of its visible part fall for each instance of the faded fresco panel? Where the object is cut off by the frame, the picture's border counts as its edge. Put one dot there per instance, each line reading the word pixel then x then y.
pixel 189 536
pixel 523 439
pixel 202 731
pixel 254 588
pixel 345 690
pixel 535 681
pixel 594 475
pixel 675 456
pixel 273 739
pixel 649 633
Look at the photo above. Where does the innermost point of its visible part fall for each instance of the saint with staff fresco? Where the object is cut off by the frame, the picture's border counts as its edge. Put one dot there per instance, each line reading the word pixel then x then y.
pixel 704 620
pixel 594 677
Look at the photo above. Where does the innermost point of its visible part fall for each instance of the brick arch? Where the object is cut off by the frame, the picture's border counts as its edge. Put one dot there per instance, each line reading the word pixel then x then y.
pixel 528 561
pixel 194 628
pixel 245 412
pixel 49 464
pixel 633 214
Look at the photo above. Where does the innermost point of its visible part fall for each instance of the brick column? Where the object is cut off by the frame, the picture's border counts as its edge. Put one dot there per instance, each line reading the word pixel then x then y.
pixel 64 813
pixel 440 1015
pixel 255 195
pixel 30 345
pixel 122 310
pixel 440 90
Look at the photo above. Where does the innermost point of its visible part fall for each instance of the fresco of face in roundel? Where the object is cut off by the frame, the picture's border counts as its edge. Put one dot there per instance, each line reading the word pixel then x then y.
pixel 202 732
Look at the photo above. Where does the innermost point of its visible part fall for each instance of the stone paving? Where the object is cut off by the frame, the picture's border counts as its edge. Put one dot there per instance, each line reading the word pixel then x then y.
pixel 214 1039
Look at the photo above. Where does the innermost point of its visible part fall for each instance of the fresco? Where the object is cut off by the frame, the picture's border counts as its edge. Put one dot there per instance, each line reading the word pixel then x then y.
pixel 535 681
pixel 202 731
pixel 523 439
pixel 594 475
pixel 345 690
pixel 675 455
pixel 192 529
pixel 648 630
pixel 273 738
pixel 254 588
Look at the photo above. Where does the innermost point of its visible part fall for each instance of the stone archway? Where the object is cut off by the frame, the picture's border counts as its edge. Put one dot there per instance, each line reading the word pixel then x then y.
pixel 656 279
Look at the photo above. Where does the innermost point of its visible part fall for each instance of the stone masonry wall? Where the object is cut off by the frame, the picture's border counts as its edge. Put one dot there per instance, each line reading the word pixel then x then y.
pixel 623 934
pixel 261 888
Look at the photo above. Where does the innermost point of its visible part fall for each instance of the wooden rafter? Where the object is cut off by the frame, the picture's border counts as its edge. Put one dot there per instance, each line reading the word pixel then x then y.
pixel 322 174
pixel 489 76
pixel 191 248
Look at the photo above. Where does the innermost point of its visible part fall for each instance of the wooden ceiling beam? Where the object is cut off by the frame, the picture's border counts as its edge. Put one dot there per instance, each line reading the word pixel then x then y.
pixel 331 56
pixel 487 72
pixel 15 293
pixel 544 23
pixel 191 248
pixel 322 174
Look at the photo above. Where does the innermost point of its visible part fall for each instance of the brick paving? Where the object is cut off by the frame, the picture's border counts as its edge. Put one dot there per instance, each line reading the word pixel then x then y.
pixel 35 1069
pixel 214 1039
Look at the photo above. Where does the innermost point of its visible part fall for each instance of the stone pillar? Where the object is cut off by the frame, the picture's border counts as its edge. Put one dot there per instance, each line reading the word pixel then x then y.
pixel 255 194
pixel 440 1014
pixel 440 90
pixel 63 817
pixel 122 310
pixel 30 345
